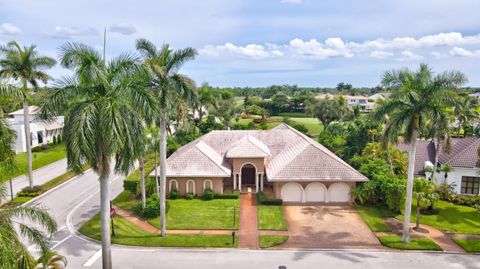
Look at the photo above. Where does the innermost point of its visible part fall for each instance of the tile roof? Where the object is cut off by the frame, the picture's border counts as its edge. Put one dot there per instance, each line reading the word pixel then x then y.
pixel 425 151
pixel 290 155
pixel 32 110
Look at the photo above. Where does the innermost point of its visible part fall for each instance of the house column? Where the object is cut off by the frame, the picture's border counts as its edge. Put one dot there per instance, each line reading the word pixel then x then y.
pixel 257 175
pixel 235 181
pixel 240 182
pixel 261 182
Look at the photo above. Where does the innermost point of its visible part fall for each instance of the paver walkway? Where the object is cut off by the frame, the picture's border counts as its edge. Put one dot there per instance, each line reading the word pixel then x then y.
pixel 248 230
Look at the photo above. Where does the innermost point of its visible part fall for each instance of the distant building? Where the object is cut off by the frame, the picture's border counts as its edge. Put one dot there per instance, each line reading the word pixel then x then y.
pixel 40 132
pixel 352 101
pixel 476 95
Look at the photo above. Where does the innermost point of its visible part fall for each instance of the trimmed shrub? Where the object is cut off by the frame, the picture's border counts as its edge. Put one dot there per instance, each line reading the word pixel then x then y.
pixel 189 196
pixel 150 185
pixel 174 194
pixel 300 127
pixel 261 199
pixel 131 185
pixel 38 148
pixel 152 208
pixel 226 196
pixel 30 192
pixel 208 194
pixel 54 139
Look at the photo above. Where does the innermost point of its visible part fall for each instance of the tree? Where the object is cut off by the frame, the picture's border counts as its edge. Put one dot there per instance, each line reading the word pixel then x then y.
pixel 424 192
pixel 51 260
pixel 414 97
pixel 280 103
pixel 33 223
pixel 328 110
pixel 27 67
pixel 105 105
pixel 465 111
pixel 170 88
pixel 226 110
pixel 439 126
pixel 206 96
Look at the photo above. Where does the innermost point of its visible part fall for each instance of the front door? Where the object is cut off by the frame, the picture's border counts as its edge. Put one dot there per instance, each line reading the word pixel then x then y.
pixel 248 174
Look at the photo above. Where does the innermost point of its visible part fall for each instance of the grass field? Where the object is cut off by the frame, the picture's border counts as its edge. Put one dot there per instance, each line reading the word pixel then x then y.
pixel 394 241
pixel 126 233
pixel 270 217
pixel 40 159
pixel 469 245
pixel 268 241
pixel 373 217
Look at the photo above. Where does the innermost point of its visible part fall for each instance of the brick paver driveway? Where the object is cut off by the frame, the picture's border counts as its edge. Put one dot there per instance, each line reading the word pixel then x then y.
pixel 315 226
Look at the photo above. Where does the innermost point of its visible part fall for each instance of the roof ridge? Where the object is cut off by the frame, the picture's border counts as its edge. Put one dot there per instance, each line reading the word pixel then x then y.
pixel 257 142
pixel 462 151
pixel 210 158
pixel 282 165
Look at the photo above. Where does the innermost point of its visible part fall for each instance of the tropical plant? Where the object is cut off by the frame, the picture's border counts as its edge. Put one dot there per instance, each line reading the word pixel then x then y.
pixel 105 105
pixel 170 88
pixel 465 112
pixel 30 222
pixel 415 96
pixel 206 97
pixel 51 260
pixel 425 195
pixel 27 67
pixel 225 110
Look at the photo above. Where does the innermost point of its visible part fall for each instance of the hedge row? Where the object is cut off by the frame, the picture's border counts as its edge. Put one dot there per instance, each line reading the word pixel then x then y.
pixel 261 199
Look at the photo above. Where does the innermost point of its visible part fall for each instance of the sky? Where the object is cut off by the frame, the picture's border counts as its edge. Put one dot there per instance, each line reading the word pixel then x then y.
pixel 314 43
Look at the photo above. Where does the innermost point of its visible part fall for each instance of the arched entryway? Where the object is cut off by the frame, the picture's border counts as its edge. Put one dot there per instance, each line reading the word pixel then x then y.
pixel 248 174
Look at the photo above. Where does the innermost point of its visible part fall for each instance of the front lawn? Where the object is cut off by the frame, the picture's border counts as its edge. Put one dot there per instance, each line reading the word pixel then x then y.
pixel 198 214
pixel 268 241
pixel 270 217
pixel 470 245
pixel 394 241
pixel 39 159
pixel 373 217
pixel 313 125
pixel 126 200
pixel 126 233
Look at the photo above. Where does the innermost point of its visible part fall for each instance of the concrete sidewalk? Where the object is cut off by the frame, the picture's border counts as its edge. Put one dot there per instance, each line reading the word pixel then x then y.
pixel 40 176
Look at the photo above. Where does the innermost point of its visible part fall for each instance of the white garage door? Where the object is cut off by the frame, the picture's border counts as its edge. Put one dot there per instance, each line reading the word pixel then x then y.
pixel 315 192
pixel 339 193
pixel 292 192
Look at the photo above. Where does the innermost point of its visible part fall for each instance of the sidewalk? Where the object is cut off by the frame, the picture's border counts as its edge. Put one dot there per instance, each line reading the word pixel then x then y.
pixel 248 230
pixel 40 176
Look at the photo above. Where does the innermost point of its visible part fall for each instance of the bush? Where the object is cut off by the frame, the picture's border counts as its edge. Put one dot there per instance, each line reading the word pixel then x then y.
pixel 39 148
pixel 30 192
pixel 445 191
pixel 54 139
pixel 131 185
pixel 150 186
pixel 261 199
pixel 59 139
pixel 466 200
pixel 300 127
pixel 189 196
pixel 226 196
pixel 208 194
pixel 174 194
pixel 152 208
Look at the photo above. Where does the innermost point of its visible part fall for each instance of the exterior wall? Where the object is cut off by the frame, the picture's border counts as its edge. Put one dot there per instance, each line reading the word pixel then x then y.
pixel 456 176
pixel 182 184
pixel 277 186
pixel 17 125
pixel 237 164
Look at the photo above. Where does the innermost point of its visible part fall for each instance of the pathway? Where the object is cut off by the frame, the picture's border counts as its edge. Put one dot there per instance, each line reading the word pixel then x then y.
pixel 248 230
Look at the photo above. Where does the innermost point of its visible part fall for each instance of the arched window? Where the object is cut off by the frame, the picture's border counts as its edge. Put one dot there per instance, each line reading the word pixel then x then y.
pixel 191 186
pixel 207 184
pixel 173 184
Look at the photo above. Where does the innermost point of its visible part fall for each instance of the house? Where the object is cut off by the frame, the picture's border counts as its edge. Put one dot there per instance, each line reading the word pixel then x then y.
pixel 40 132
pixel 463 161
pixel 282 162
pixel 352 101
pixel 475 95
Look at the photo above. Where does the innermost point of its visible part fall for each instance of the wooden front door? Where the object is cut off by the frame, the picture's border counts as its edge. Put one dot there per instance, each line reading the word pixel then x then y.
pixel 248 175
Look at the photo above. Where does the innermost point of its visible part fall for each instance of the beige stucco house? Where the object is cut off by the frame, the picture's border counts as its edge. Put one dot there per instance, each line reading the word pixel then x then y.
pixel 282 161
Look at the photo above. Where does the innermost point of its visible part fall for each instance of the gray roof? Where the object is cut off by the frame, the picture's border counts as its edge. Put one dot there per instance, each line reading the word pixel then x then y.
pixel 290 156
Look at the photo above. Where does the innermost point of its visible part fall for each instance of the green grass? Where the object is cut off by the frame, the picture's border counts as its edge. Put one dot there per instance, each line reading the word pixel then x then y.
pixel 451 218
pixel 313 125
pixel 40 159
pixel 271 217
pixel 373 218
pixel 198 214
pixel 394 241
pixel 293 115
pixel 125 200
pixel 268 241
pixel 126 233
pixel 470 245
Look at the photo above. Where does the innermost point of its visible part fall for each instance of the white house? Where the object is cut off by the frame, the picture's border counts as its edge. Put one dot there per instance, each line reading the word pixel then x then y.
pixel 40 132
pixel 475 95
pixel 463 160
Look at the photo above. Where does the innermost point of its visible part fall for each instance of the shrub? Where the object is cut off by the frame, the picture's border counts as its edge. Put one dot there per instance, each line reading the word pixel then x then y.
pixel 226 196
pixel 208 194
pixel 261 199
pixel 445 191
pixel 54 139
pixel 152 208
pixel 300 127
pixel 59 139
pixel 174 194
pixel 465 200
pixel 30 192
pixel 131 185
pixel 37 148
pixel 150 186
pixel 189 196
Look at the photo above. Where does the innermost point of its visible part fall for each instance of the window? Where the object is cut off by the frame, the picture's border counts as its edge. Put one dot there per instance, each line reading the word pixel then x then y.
pixel 470 185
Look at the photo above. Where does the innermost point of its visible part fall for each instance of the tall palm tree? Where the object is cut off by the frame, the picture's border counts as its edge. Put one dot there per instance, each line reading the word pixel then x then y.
pixel 104 104
pixel 27 67
pixel 34 224
pixel 465 111
pixel 440 129
pixel 169 87
pixel 415 97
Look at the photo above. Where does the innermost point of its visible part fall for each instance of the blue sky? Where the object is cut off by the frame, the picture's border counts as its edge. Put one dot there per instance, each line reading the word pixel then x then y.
pixel 259 43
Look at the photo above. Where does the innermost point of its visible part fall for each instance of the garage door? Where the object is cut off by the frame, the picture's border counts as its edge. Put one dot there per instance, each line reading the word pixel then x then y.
pixel 315 192
pixel 339 193
pixel 292 192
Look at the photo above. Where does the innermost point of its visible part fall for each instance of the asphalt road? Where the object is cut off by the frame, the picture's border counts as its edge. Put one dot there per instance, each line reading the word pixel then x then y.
pixel 76 201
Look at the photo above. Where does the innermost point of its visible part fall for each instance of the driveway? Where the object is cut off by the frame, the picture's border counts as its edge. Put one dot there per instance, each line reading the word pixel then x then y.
pixel 333 227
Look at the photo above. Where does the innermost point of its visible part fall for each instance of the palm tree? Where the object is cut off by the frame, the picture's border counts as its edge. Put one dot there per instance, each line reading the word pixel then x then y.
pixel 51 260
pixel 415 97
pixel 27 67
pixel 465 111
pixel 440 128
pixel 206 97
pixel 33 223
pixel 169 87
pixel 153 145
pixel 104 104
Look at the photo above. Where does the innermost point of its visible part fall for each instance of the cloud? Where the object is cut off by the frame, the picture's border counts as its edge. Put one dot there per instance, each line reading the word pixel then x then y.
pixel 291 1
pixel 122 28
pixel 409 56
pixel 456 51
pixel 72 32
pixel 9 29
pixel 332 47
pixel 250 50
pixel 380 54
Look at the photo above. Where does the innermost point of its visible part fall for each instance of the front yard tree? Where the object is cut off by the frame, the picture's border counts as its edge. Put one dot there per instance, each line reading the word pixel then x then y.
pixel 104 104
pixel 415 96
pixel 169 87
pixel 27 67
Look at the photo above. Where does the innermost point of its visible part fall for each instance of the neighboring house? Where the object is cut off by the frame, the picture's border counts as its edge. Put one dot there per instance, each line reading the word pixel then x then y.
pixel 475 95
pixel 357 100
pixel 40 132
pixel 282 162
pixel 463 159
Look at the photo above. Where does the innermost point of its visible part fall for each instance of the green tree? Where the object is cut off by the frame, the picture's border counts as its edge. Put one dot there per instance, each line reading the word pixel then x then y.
pixel 170 88
pixel 425 195
pixel 226 110
pixel 465 112
pixel 328 110
pixel 51 260
pixel 105 104
pixel 206 97
pixel 414 97
pixel 26 66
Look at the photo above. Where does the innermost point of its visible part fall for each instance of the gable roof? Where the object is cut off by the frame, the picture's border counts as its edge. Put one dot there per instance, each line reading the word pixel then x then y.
pixel 425 151
pixel 32 110
pixel 290 155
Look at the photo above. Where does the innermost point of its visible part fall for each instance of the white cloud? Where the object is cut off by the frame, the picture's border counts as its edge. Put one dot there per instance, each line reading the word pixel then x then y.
pixel 409 56
pixel 9 29
pixel 72 32
pixel 380 54
pixel 291 1
pixel 438 55
pixel 250 50
pixel 332 47
pixel 456 51
pixel 122 28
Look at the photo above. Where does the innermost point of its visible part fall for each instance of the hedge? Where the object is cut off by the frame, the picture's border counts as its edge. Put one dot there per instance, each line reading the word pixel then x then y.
pixel 261 199
pixel 131 185
pixel 226 196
